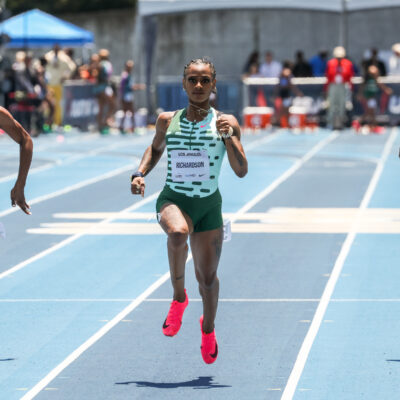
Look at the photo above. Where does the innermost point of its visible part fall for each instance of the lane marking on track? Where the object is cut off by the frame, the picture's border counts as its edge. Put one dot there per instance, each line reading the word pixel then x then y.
pixel 305 349
pixel 76 186
pixel 107 175
pixel 88 231
pixel 106 328
pixel 239 300
pixel 276 220
pixel 73 238
pixel 66 161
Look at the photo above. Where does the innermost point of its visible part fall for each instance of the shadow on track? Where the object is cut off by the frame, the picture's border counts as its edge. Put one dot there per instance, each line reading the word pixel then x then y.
pixel 202 382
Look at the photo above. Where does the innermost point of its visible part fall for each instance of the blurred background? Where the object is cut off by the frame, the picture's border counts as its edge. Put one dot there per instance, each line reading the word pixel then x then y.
pixel 64 63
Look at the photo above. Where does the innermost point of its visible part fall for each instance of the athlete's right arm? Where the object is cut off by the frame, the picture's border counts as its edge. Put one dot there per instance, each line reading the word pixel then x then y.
pixel 14 129
pixel 153 153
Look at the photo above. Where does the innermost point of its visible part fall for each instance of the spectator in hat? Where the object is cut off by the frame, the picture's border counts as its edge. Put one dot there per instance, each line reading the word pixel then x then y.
pixel 339 71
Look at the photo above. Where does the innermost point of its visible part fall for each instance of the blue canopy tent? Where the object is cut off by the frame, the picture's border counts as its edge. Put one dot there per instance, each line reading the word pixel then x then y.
pixel 36 28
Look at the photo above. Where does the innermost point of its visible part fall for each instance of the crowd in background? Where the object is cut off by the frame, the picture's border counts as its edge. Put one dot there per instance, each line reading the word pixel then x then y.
pixel 33 88
pixel 258 65
pixel 338 69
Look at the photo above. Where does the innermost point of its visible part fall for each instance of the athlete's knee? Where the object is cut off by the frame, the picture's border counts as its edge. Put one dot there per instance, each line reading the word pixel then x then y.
pixel 178 238
pixel 207 281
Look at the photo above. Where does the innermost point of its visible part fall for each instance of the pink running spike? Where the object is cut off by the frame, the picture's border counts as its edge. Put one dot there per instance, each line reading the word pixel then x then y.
pixel 173 322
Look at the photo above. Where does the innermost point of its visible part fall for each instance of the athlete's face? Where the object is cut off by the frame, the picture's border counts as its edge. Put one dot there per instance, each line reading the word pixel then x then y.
pixel 198 82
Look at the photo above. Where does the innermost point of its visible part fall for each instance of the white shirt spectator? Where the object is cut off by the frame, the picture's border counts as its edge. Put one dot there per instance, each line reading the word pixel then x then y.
pixel 271 70
pixel 394 60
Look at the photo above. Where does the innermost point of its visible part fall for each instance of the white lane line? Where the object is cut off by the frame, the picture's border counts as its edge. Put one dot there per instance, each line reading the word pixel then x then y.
pixel 160 300
pixel 262 141
pixel 297 165
pixel 74 237
pixel 239 300
pixel 256 143
pixel 105 221
pixel 74 187
pixel 31 171
pixel 66 161
pixel 74 355
pixel 330 286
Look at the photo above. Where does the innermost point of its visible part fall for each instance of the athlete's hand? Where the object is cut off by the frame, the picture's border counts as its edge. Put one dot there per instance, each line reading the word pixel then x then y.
pixel 18 199
pixel 223 124
pixel 138 186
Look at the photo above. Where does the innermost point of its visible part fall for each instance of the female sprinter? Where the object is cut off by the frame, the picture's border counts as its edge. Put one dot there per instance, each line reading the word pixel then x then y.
pixel 196 139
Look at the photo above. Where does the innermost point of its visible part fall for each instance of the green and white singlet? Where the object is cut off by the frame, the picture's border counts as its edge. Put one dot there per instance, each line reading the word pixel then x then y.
pixel 187 136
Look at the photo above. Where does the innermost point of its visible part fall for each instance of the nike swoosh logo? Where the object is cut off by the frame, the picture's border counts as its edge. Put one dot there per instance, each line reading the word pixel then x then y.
pixel 203 126
pixel 216 351
pixel 165 326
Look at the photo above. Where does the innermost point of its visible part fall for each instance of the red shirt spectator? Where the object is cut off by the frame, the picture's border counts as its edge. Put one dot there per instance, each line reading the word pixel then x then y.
pixel 339 70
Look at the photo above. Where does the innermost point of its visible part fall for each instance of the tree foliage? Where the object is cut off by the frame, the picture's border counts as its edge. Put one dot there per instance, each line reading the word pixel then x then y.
pixel 67 6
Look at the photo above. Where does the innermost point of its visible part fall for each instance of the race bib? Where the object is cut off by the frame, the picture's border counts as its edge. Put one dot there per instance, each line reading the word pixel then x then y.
pixel 190 165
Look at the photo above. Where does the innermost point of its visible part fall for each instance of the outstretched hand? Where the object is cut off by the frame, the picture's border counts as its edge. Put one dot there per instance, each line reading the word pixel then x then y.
pixel 18 199
pixel 138 186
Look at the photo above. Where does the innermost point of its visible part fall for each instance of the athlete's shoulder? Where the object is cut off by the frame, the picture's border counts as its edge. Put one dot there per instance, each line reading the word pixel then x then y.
pixel 164 119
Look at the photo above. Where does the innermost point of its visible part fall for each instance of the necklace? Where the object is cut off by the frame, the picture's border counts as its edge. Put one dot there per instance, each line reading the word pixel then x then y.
pixel 201 111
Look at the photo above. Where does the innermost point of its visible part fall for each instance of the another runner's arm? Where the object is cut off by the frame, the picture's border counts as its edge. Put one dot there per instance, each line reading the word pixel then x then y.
pixel 236 156
pixel 14 129
pixel 153 153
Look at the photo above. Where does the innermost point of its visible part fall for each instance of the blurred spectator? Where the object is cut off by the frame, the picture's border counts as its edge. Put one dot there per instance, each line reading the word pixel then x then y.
pixel 256 93
pixel 254 58
pixel 394 60
pixel 284 91
pixel 339 72
pixel 127 88
pixel 93 67
pixel 26 89
pixel 58 68
pixel 73 64
pixel 374 60
pixel 104 91
pixel 370 95
pixel 301 68
pixel 46 95
pixel 318 63
pixel 270 68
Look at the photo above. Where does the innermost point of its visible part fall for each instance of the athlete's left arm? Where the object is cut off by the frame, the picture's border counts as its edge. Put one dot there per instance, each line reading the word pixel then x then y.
pixel 236 156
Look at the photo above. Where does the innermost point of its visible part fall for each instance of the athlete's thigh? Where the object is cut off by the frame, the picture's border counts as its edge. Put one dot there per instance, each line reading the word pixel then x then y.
pixel 206 249
pixel 173 219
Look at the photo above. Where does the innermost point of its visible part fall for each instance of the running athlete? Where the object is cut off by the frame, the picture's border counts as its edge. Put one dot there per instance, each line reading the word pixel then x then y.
pixel 189 206
pixel 18 133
